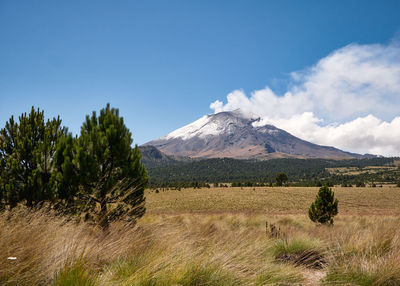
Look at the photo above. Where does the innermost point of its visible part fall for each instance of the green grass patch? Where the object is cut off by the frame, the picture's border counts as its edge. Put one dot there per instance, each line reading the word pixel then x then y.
pixel 349 277
pixel 123 269
pixel 76 273
pixel 362 278
pixel 206 275
pixel 355 275
pixel 292 246
pixel 191 274
pixel 279 276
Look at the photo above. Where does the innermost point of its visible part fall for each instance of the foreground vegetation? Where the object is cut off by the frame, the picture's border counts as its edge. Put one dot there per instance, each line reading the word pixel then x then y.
pixel 96 175
pixel 184 240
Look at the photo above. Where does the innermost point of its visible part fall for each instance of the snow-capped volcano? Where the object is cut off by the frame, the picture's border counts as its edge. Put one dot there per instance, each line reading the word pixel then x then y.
pixel 237 135
pixel 212 125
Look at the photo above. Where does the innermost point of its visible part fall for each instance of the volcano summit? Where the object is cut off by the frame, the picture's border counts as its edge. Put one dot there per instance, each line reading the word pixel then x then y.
pixel 236 135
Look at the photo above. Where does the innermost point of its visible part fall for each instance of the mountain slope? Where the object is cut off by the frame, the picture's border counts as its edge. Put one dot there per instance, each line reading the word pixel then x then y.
pixel 234 135
pixel 152 157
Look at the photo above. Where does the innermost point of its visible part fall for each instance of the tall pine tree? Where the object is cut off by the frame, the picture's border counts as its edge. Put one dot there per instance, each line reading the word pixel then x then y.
pixel 65 177
pixel 111 175
pixel 26 158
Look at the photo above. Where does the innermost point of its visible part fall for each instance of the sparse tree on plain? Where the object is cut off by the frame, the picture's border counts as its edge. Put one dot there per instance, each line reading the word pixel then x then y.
pixel 325 206
pixel 281 178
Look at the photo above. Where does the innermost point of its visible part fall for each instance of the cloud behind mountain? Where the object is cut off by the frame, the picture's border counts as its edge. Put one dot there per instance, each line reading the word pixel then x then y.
pixel 349 99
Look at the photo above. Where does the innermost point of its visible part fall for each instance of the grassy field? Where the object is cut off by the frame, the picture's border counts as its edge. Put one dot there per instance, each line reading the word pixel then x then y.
pixel 212 237
pixel 266 200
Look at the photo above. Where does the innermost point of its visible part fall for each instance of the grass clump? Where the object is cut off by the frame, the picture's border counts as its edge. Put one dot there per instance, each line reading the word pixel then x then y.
pixel 76 273
pixel 292 246
pixel 356 275
pixel 279 276
pixel 299 252
pixel 149 278
pixel 206 275
pixel 126 268
pixel 360 278
pixel 189 274
pixel 367 256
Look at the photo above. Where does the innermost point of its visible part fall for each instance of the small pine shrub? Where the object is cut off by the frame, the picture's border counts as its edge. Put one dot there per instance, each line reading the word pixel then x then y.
pixel 325 206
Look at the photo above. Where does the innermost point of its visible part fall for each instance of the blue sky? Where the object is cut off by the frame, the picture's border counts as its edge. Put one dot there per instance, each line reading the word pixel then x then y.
pixel 163 62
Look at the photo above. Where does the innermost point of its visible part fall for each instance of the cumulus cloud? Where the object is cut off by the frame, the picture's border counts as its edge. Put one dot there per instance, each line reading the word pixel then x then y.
pixel 349 99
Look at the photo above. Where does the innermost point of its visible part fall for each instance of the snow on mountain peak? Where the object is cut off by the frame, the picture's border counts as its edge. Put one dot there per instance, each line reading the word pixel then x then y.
pixel 196 128
pixel 213 124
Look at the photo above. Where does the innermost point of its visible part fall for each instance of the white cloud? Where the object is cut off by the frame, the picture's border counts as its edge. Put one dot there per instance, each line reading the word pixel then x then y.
pixel 349 99
pixel 362 135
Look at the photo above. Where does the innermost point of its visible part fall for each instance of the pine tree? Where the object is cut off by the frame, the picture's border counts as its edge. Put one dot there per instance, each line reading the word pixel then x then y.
pixel 65 177
pixel 26 152
pixel 110 172
pixel 325 206
pixel 2 181
pixel 281 178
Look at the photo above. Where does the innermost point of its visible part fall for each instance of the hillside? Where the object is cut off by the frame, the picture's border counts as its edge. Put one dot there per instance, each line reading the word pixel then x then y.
pixel 152 157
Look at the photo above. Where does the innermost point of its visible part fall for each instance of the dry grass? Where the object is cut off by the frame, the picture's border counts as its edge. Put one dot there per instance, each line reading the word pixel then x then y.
pixel 226 245
pixel 266 200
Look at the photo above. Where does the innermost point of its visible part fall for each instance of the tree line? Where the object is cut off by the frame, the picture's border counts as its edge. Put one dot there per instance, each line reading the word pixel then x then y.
pixel 300 172
pixel 96 175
